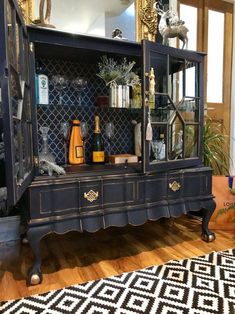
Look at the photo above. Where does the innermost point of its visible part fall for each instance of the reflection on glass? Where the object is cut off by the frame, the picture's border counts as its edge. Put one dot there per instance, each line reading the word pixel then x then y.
pixel 175 138
pixel 191 142
pixel 159 63
pixel 190 79
pixel 189 109
pixel 158 145
pixel 164 109
pixel 175 79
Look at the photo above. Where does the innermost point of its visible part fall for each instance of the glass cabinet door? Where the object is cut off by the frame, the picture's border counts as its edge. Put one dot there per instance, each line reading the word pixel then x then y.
pixel 173 107
pixel 15 101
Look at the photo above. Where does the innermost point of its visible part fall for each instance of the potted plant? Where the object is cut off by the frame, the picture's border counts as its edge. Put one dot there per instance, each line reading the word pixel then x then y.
pixel 118 76
pixel 214 154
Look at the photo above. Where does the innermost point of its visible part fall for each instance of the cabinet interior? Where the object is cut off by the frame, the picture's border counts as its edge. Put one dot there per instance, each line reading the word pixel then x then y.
pixel 82 105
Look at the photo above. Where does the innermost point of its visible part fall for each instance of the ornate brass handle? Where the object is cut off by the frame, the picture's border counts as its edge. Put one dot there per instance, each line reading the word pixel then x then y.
pixel 91 196
pixel 174 186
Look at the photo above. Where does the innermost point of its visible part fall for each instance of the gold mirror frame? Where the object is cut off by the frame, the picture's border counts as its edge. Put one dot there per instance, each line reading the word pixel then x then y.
pixel 27 7
pixel 146 17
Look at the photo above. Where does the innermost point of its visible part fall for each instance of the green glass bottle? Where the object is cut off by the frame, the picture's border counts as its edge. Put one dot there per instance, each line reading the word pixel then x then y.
pixel 98 144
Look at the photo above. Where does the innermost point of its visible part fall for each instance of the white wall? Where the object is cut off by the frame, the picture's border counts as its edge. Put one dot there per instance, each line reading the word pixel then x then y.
pixel 124 21
pixel 98 27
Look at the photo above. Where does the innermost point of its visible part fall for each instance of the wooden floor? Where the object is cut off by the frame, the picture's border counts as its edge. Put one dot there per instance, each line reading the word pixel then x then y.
pixel 76 258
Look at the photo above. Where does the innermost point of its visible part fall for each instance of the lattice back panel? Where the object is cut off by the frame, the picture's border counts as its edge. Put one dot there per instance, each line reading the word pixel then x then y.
pixel 82 106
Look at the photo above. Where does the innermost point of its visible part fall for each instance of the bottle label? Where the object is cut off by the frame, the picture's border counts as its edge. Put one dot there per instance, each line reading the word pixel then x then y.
pixel 43 90
pixel 98 156
pixel 79 151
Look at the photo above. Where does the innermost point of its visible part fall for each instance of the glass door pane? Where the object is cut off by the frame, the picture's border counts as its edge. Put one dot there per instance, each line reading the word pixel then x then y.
pixel 175 116
pixel 16 103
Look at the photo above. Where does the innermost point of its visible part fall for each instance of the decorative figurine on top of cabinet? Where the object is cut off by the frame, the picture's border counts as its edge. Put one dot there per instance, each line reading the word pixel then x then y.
pixel 117 33
pixel 44 20
pixel 170 26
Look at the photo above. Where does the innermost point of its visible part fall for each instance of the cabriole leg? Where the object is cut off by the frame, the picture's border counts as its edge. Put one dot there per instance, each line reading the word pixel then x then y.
pixel 34 275
pixel 207 235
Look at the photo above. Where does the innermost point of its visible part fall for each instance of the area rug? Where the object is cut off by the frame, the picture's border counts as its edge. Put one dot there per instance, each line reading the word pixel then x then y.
pixel 205 284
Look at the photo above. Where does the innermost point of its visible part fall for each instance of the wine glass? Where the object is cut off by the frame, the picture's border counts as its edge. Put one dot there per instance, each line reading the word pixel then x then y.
pixel 64 131
pixel 84 133
pixel 109 131
pixel 60 82
pixel 79 84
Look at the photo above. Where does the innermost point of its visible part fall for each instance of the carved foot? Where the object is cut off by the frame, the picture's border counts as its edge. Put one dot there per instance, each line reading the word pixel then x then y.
pixel 208 237
pixel 34 235
pixel 34 276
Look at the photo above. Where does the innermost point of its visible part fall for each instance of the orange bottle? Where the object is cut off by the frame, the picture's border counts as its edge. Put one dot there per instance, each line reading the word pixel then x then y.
pixel 76 150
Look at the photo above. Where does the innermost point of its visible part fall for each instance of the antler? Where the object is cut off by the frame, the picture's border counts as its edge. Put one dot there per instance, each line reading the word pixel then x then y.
pixel 157 5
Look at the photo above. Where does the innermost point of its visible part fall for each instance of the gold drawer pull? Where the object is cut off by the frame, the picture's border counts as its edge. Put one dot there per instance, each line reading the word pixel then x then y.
pixel 174 186
pixel 91 196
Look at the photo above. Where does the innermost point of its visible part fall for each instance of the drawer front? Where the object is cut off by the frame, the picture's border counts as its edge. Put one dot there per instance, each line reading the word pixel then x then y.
pixel 54 200
pixel 175 185
pixel 151 189
pixel 198 183
pixel 91 196
pixel 119 193
pixel 192 185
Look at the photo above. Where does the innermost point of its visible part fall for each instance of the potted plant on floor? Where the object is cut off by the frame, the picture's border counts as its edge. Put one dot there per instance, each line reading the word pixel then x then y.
pixel 214 154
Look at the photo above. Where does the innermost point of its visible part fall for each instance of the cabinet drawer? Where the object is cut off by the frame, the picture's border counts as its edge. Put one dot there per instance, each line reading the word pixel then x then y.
pixel 119 193
pixel 151 189
pixel 54 200
pixel 91 196
pixel 175 186
pixel 192 185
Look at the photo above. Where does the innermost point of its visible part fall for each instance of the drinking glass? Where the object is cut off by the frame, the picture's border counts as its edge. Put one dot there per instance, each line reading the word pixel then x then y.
pixel 84 134
pixel 79 84
pixel 64 131
pixel 60 82
pixel 109 132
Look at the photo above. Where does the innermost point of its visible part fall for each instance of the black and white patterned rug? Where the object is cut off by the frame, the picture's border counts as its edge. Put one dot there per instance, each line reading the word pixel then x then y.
pixel 201 285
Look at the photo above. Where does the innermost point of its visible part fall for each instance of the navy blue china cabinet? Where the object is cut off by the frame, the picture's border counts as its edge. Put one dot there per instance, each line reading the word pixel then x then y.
pixel 169 178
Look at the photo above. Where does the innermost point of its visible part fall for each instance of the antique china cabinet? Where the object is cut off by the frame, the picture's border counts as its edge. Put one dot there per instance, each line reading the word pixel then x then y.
pixel 168 180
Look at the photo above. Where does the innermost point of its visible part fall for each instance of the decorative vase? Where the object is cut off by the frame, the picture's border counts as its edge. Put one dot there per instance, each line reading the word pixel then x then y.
pixel 119 96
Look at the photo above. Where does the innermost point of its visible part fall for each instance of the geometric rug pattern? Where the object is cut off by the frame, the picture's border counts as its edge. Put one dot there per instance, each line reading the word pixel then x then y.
pixel 200 285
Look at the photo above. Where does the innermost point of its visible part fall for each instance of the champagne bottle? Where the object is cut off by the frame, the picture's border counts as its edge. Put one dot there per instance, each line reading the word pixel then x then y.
pixel 76 151
pixel 98 144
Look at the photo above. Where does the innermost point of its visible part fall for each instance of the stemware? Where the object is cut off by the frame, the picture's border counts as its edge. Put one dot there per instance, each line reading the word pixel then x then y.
pixel 79 84
pixel 60 82
pixel 64 131
pixel 84 134
pixel 109 132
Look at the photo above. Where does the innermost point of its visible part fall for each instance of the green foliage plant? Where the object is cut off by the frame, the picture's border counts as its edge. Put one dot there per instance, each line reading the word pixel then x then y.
pixel 214 153
pixel 114 72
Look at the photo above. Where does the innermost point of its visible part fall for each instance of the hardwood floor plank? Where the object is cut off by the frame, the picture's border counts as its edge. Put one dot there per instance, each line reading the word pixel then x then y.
pixel 76 258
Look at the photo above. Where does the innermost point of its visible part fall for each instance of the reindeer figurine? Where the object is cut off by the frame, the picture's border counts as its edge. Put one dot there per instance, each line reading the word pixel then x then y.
pixel 171 26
